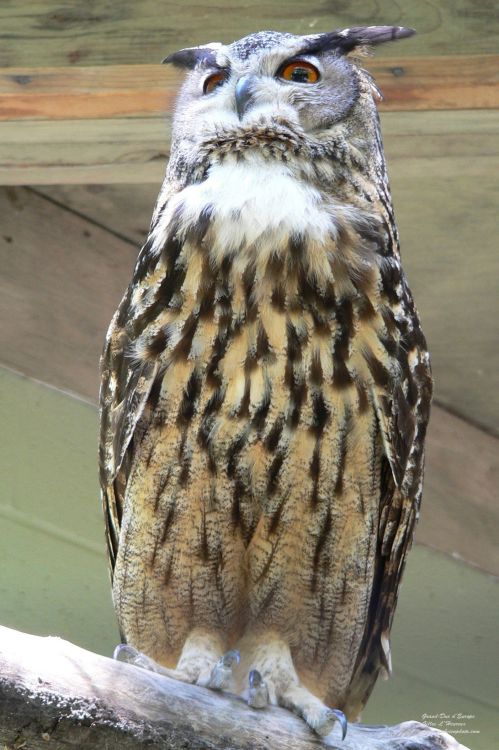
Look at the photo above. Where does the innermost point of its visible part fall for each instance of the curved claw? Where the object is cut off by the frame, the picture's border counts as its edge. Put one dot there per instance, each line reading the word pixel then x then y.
pixel 230 658
pixel 221 674
pixel 340 716
pixel 255 678
pixel 258 691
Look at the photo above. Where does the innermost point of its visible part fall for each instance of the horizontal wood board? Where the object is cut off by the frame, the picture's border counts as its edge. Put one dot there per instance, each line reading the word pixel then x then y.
pixel 63 279
pixel 83 151
pixel 129 32
pixel 457 82
pixel 447 144
pixel 99 32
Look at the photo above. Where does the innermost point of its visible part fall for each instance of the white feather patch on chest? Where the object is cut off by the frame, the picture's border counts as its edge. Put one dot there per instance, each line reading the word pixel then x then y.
pixel 251 198
pixel 254 197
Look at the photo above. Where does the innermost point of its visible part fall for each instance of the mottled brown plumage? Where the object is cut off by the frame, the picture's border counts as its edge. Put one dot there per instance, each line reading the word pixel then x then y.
pixel 266 390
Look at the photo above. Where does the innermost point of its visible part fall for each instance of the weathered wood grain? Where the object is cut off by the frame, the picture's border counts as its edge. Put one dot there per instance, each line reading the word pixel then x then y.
pixel 56 694
pixel 62 279
pixel 126 209
pixel 90 92
pixel 83 151
pixel 48 32
pixel 460 514
pixel 454 142
pixel 448 144
pixel 434 83
pixel 60 282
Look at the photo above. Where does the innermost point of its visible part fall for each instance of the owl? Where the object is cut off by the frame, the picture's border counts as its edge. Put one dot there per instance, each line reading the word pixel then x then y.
pixel 266 387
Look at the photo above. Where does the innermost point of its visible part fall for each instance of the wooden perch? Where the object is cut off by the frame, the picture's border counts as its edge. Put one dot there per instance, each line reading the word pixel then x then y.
pixel 56 695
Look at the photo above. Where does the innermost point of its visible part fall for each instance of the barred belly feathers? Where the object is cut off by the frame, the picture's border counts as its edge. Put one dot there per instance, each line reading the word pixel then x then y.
pixel 266 387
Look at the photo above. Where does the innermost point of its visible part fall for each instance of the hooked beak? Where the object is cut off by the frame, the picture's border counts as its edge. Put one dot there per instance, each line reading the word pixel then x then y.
pixel 244 94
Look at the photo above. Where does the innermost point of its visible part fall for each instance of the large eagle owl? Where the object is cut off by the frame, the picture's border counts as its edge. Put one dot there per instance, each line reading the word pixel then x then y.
pixel 266 386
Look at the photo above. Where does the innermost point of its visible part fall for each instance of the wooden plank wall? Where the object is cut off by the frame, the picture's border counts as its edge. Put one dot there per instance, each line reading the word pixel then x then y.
pixel 81 100
pixel 135 150
pixel 48 32
pixel 31 93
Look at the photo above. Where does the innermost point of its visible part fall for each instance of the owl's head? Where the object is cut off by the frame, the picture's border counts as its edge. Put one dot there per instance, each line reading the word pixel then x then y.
pixel 268 81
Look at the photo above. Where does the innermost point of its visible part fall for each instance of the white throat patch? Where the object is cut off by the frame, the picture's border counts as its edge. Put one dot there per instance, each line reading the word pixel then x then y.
pixel 256 196
pixel 252 197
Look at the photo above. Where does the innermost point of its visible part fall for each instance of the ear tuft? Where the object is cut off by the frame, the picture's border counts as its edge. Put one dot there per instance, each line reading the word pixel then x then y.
pixel 190 57
pixel 347 40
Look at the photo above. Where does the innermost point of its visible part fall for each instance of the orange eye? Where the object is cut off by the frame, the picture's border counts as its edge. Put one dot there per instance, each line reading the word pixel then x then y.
pixel 214 81
pixel 299 71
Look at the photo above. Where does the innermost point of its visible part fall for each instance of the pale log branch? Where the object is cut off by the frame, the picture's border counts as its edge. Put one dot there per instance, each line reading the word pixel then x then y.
pixel 56 695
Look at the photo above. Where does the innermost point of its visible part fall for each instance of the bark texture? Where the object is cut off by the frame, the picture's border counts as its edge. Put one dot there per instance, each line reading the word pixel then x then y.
pixel 56 695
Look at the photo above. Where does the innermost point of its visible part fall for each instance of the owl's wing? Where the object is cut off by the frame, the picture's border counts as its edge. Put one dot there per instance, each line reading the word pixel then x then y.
pixel 125 387
pixel 127 381
pixel 402 417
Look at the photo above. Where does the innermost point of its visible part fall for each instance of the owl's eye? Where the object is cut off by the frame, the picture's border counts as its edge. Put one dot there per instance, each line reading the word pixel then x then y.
pixel 299 71
pixel 214 82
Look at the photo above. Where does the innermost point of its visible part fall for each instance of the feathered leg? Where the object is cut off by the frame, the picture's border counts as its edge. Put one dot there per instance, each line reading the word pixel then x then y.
pixel 272 678
pixel 202 661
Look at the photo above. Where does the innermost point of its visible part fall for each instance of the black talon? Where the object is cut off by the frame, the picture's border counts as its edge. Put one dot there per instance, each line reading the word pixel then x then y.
pixel 255 678
pixel 340 716
pixel 231 657
pixel 258 691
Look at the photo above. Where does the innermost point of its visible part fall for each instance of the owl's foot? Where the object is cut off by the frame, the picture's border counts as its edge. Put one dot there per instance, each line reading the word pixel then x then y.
pixel 202 661
pixel 221 675
pixel 272 678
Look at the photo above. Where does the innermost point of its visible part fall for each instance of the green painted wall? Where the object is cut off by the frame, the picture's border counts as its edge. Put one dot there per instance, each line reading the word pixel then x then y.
pixel 54 577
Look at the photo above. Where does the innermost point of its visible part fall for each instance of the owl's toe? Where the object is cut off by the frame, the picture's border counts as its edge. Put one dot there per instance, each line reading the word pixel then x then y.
pixel 258 694
pixel 221 675
pixel 130 655
pixel 318 716
pixel 324 722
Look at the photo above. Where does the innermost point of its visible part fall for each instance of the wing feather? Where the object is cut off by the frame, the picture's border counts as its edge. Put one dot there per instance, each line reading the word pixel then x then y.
pixel 126 384
pixel 402 417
